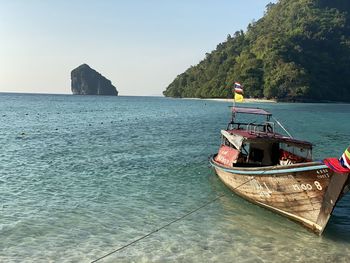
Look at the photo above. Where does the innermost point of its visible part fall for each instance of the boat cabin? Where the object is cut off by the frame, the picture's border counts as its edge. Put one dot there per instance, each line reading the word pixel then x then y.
pixel 256 144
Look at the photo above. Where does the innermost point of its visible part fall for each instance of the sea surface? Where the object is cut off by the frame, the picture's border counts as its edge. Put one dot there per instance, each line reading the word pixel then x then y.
pixel 81 176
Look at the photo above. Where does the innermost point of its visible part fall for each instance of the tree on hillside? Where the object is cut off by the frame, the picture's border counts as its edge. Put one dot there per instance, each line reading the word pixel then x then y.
pixel 299 50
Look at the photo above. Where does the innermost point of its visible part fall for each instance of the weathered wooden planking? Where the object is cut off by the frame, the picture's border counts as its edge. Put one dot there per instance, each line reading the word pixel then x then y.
pixel 307 197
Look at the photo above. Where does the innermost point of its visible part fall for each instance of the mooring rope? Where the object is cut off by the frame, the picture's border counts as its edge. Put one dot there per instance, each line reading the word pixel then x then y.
pixel 282 127
pixel 166 225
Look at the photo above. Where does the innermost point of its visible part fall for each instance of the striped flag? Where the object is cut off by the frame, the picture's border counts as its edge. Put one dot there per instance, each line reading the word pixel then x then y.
pixel 238 89
pixel 345 158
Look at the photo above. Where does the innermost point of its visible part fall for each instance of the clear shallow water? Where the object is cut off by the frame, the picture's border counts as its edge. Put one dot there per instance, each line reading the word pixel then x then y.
pixel 82 176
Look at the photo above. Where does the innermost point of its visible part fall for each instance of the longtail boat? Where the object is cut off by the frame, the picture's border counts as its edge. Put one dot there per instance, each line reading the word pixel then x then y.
pixel 276 171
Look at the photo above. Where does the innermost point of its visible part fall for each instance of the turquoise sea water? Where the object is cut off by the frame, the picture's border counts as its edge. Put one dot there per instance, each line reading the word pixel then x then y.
pixel 82 176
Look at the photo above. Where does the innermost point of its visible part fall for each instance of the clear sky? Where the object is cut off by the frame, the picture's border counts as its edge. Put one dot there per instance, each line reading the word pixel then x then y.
pixel 140 45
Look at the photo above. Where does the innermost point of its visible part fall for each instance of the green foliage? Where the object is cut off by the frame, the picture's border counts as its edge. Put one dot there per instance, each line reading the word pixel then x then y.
pixel 299 50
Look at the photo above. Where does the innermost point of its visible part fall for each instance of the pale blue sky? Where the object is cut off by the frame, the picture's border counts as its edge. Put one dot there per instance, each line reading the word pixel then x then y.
pixel 141 46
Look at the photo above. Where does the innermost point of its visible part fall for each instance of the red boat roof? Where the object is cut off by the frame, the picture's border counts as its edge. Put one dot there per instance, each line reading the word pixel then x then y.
pixel 250 111
pixel 268 136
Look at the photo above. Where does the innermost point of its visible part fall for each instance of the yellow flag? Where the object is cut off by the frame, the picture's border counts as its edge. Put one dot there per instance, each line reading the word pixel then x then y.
pixel 238 97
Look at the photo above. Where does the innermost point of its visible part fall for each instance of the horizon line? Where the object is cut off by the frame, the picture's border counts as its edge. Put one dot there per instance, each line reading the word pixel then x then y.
pixel 48 93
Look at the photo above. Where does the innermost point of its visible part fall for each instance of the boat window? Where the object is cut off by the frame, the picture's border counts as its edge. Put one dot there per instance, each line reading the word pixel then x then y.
pixel 259 153
pixel 264 153
pixel 256 155
pixel 297 150
pixel 245 148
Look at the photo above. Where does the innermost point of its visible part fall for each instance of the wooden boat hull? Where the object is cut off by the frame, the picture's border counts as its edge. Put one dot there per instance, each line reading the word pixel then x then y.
pixel 306 193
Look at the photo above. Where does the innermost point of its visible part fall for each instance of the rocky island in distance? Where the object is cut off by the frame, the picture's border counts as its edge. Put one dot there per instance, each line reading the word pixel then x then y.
pixel 87 81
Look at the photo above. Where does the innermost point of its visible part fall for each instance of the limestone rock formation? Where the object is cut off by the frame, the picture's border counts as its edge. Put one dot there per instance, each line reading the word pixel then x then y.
pixel 87 81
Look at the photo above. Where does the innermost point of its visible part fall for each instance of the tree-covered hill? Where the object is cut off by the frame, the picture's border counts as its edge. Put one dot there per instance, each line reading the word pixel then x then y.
pixel 299 50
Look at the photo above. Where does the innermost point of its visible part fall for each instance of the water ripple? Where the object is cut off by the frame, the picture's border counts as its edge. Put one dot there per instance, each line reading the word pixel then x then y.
pixel 82 176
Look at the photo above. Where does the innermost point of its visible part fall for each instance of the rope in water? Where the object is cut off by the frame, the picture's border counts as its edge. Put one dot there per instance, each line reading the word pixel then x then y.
pixel 166 225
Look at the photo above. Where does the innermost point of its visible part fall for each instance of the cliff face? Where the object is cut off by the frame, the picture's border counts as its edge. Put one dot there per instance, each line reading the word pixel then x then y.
pixel 87 81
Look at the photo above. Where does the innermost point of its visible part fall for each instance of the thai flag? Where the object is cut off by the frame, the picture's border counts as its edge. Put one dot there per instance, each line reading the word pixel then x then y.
pixel 345 159
pixel 238 88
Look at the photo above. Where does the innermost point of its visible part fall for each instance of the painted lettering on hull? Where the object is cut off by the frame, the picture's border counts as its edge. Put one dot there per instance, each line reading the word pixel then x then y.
pixel 307 187
pixel 262 189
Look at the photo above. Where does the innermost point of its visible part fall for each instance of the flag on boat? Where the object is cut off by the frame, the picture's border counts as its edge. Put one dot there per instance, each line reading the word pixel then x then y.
pixel 345 158
pixel 238 89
